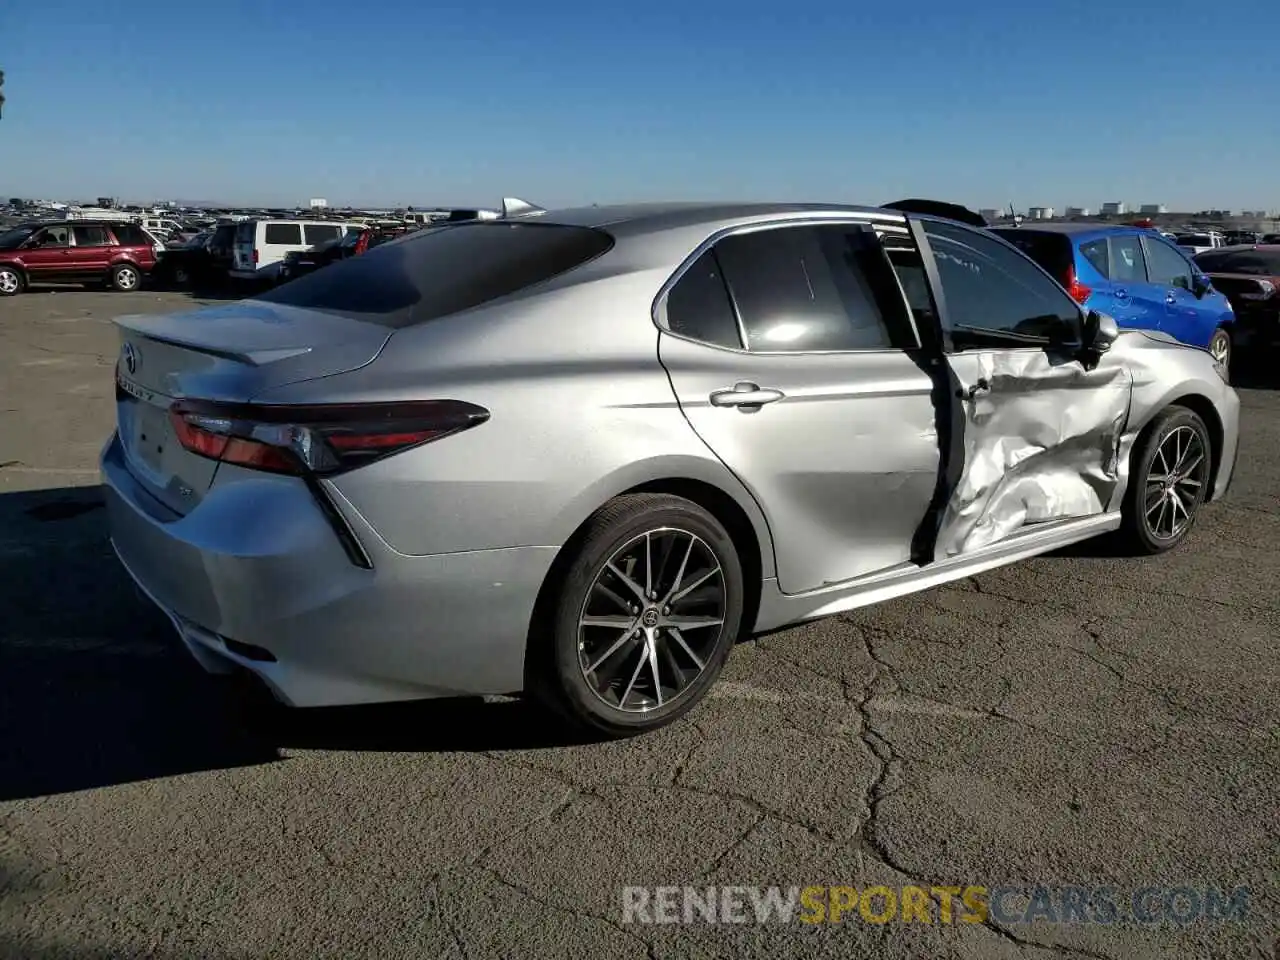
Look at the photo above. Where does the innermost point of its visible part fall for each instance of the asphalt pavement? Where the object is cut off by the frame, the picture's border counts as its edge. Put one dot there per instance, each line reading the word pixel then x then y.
pixel 1079 722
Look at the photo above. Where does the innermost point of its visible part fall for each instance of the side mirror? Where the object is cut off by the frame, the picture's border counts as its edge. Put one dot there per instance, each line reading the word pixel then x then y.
pixel 1099 333
pixel 1200 285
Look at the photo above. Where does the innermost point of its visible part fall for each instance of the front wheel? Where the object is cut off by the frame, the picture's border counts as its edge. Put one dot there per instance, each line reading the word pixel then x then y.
pixel 1220 347
pixel 10 281
pixel 1168 480
pixel 125 278
pixel 645 616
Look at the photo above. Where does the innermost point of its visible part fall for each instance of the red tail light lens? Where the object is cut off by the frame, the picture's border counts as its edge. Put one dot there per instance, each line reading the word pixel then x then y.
pixel 255 254
pixel 1079 292
pixel 322 439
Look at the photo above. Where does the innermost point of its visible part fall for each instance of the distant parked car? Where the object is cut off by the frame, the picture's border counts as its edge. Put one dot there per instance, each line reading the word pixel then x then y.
pixel 1250 278
pixel 75 251
pixel 355 243
pixel 184 263
pixel 261 245
pixel 1270 238
pixel 1194 243
pixel 1134 275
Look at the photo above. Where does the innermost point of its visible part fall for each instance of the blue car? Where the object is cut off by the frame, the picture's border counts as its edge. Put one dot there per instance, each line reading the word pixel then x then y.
pixel 1135 275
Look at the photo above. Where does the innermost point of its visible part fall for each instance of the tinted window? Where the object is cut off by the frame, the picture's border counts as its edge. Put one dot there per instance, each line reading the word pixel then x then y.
pixel 129 235
pixel 245 231
pixel 443 271
pixel 698 305
pixel 993 292
pixel 1256 262
pixel 1095 251
pixel 909 266
pixel 1167 265
pixel 54 237
pixel 283 233
pixel 14 237
pixel 1051 250
pixel 800 288
pixel 1128 265
pixel 314 233
pixel 91 236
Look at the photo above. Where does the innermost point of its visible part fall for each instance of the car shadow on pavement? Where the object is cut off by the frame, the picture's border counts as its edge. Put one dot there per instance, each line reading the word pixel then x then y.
pixel 96 689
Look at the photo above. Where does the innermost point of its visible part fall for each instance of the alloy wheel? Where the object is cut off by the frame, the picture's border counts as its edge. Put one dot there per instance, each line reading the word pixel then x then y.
pixel 126 279
pixel 1175 482
pixel 8 281
pixel 651 620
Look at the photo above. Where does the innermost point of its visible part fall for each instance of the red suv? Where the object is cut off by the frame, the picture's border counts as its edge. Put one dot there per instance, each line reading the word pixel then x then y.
pixel 119 254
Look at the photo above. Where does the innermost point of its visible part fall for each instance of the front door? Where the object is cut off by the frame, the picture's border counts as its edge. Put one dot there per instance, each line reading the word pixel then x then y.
pixel 47 255
pixel 794 364
pixel 1041 427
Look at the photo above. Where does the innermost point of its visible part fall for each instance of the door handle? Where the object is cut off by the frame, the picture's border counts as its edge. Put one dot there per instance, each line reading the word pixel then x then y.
pixel 1122 294
pixel 983 385
pixel 744 394
pixel 1170 297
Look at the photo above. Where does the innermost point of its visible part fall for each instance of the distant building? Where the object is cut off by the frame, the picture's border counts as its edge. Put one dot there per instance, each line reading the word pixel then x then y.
pixel 1115 209
pixel 1077 212
pixel 1040 213
pixel 1150 208
pixel 319 203
pixel 990 214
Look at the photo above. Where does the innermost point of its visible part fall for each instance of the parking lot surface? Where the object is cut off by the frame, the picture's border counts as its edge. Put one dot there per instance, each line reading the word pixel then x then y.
pixel 1078 720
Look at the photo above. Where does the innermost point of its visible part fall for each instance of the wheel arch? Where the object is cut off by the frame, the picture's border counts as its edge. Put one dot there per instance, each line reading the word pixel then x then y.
pixel 19 269
pixel 1203 407
pixel 753 548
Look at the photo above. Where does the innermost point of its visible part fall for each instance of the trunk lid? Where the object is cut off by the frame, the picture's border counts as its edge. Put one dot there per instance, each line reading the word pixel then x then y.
pixel 229 353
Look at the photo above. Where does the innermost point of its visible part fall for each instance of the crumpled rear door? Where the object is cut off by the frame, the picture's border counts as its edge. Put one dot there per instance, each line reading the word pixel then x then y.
pixel 1041 443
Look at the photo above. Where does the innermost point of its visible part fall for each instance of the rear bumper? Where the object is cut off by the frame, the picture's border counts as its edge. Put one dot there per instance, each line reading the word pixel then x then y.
pixel 257 563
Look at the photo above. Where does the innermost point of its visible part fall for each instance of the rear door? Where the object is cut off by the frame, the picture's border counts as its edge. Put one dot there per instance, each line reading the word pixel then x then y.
pixel 93 248
pixel 1041 430
pixel 1139 304
pixel 276 240
pixel 794 358
pixel 244 247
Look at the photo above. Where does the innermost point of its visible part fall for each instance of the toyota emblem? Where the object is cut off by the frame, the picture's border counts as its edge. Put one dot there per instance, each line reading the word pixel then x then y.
pixel 130 358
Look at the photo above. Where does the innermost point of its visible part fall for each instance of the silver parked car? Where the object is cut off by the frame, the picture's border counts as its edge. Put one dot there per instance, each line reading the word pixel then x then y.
pixel 577 454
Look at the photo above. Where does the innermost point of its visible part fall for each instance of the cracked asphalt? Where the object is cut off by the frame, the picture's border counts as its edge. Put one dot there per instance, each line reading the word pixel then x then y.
pixel 1076 720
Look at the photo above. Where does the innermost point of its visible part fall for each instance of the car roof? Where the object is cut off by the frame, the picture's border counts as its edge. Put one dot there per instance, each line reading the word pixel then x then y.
pixel 1073 228
pixel 642 218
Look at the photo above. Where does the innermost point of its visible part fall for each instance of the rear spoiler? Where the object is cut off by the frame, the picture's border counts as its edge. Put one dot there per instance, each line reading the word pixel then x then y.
pixel 939 208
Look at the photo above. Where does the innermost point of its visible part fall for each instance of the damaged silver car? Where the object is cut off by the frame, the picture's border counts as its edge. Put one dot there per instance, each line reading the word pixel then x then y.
pixel 578 454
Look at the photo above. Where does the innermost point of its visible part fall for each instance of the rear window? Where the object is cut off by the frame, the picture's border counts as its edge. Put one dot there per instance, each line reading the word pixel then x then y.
pixel 1195 240
pixel 1051 250
pixel 130 235
pixel 285 234
pixel 447 270
pixel 245 231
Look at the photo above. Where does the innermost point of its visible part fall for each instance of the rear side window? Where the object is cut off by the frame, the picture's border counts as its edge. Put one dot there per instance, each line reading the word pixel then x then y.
pixel 314 233
pixel 698 305
pixel 800 289
pixel 129 235
pixel 443 271
pixel 1128 265
pixel 246 231
pixel 286 234
pixel 1095 251
pixel 91 235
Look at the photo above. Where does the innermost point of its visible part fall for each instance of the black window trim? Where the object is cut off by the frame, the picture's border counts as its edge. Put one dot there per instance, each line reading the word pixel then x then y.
pixel 940 301
pixel 658 311
pixel 1193 269
pixel 1111 254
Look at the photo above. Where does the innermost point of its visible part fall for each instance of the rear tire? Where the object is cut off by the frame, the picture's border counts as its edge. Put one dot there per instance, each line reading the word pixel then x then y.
pixel 642 619
pixel 1169 474
pixel 11 281
pixel 126 278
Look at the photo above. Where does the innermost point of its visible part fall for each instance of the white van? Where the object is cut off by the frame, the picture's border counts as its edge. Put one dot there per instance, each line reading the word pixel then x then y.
pixel 261 245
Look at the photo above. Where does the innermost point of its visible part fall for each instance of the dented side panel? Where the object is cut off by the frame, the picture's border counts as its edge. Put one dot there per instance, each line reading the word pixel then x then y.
pixel 1042 442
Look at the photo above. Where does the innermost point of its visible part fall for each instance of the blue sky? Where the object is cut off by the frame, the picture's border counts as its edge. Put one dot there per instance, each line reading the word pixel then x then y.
pixel 406 101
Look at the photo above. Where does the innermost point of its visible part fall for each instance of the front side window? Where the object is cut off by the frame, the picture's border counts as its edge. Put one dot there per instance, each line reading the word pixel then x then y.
pixel 1166 265
pixel 53 237
pixel 995 295
pixel 802 289
pixel 1128 265
pixel 285 234
pixel 91 236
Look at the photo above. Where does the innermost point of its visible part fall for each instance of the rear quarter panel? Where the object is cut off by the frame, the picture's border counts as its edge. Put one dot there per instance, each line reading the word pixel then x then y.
pixel 581 411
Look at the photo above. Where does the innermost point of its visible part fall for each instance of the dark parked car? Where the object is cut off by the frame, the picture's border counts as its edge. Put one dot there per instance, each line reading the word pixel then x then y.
pixel 70 251
pixel 1250 278
pixel 301 262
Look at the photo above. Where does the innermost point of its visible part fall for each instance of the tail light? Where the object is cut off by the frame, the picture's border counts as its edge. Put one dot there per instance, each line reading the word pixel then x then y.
pixel 1079 292
pixel 255 254
pixel 315 440
pixel 1265 290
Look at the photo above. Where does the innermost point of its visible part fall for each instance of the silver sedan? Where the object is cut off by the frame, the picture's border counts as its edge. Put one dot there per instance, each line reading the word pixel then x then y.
pixel 577 454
